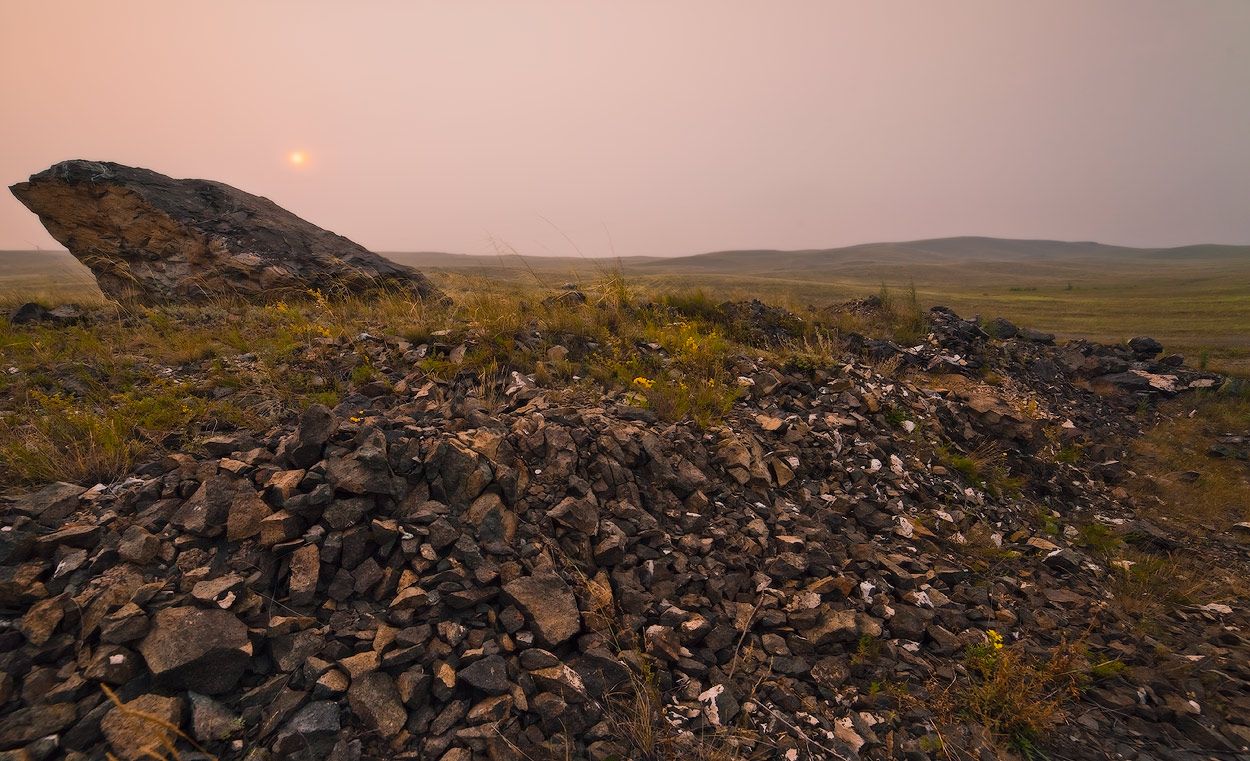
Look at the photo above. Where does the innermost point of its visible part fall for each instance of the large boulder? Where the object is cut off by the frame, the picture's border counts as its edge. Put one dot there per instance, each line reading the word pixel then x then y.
pixel 153 239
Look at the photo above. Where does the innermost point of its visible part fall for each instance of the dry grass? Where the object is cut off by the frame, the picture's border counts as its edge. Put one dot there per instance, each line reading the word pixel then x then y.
pixel 1177 448
pixel 1194 496
pixel 162 737
pixel 636 716
pixel 88 402
pixel 1017 696
pixel 1148 588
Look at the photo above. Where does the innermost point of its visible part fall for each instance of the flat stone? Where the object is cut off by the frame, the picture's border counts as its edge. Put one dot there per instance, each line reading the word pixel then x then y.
pixel 25 725
pixel 550 605
pixel 221 591
pixel 205 650
pixel 490 675
pixel 314 728
pixel 53 503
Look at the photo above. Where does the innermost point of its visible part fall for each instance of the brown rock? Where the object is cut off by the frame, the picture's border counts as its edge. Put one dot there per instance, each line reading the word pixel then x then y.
pixel 280 527
pixel 360 664
pixel 221 591
pixel 140 728
pixel 247 512
pixel 126 624
pixel 549 604
pixel 41 620
pixel 374 699
pixel 138 546
pixel 305 570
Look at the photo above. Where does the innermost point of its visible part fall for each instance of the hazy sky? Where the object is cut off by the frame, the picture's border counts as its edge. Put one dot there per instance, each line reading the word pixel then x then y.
pixel 661 127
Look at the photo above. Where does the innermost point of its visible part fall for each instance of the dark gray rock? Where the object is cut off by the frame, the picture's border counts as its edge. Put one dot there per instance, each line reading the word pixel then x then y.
pixel 197 649
pixel 26 725
pixel 53 503
pixel 152 239
pixel 1145 346
pixel 211 721
pixel 1001 327
pixel 313 730
pixel 303 447
pixel 490 675
pixel 1036 336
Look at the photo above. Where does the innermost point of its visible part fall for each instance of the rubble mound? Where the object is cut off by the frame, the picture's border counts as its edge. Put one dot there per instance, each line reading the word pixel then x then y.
pixel 438 573
pixel 153 239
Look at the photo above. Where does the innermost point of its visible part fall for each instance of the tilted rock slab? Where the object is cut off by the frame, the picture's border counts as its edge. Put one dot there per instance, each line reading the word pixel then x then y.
pixel 152 239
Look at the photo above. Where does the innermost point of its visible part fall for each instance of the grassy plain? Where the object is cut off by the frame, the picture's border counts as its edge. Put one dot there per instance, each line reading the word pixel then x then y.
pixel 1195 299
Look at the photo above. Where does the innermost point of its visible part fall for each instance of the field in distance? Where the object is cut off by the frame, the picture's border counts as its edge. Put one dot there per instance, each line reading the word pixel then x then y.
pixel 1195 299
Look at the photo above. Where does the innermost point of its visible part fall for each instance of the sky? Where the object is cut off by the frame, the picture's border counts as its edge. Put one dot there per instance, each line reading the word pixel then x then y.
pixel 654 128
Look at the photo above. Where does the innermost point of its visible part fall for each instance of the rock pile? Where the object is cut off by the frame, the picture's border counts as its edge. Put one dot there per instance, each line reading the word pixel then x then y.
pixel 425 574
pixel 153 239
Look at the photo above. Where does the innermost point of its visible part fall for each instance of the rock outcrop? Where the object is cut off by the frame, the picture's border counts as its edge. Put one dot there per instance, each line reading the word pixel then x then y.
pixel 427 581
pixel 152 239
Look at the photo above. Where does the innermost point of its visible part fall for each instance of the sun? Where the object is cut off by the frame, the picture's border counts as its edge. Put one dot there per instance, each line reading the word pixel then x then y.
pixel 297 158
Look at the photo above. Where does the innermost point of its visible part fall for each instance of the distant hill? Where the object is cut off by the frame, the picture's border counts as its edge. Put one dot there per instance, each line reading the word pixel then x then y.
pixel 937 252
pixel 1192 297
pixel 942 252
pixel 932 253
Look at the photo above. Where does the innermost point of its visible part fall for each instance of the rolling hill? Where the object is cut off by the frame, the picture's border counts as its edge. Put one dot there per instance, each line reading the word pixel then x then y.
pixel 1195 298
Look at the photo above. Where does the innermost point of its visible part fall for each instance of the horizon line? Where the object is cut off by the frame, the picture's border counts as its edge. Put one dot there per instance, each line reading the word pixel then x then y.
pixel 913 241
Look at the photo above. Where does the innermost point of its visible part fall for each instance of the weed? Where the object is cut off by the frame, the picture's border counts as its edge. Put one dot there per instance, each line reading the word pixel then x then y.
pixel 1099 539
pixel 1104 670
pixel 1047 522
pixel 674 400
pixel 58 440
pixel 695 304
pixel 1070 454
pixel 1149 587
pixel 906 318
pixel 867 649
pixel 985 466
pixel 1016 696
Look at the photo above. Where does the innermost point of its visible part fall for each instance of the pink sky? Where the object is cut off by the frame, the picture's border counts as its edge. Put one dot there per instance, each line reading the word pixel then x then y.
pixel 662 127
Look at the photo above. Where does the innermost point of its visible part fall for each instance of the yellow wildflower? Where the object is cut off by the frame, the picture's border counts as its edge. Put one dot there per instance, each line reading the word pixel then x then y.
pixel 643 382
pixel 996 639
